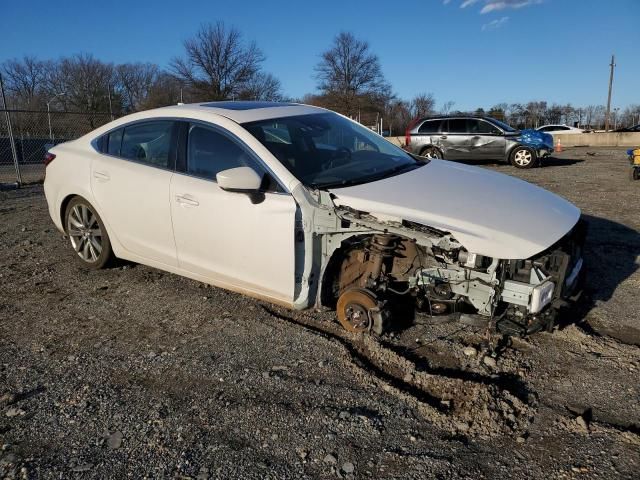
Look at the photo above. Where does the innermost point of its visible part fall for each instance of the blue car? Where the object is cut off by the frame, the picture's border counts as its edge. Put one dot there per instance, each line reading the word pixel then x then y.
pixel 468 138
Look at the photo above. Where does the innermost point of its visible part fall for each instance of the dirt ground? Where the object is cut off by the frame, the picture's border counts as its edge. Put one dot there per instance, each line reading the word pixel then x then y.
pixel 133 372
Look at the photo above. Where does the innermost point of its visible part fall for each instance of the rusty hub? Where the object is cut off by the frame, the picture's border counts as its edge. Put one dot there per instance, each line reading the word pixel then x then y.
pixel 353 309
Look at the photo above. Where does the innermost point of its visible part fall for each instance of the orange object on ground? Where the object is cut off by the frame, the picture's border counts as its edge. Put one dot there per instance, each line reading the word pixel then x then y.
pixel 558 146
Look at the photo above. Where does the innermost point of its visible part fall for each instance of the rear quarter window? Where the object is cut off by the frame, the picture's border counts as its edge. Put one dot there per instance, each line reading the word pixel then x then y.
pixel 114 142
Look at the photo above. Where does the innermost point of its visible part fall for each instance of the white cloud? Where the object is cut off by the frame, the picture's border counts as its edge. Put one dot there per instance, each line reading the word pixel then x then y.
pixel 493 24
pixel 497 5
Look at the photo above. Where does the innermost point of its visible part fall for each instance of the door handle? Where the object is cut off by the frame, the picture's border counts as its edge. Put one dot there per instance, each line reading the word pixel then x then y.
pixel 187 201
pixel 443 137
pixel 101 175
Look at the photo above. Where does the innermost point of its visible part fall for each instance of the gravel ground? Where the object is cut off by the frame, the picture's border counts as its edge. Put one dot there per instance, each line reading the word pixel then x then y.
pixel 133 372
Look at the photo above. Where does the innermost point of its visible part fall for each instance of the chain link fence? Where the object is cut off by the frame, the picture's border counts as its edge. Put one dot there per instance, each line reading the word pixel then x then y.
pixel 25 136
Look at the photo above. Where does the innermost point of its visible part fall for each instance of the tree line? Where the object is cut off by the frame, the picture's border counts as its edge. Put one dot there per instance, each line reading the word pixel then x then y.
pixel 219 64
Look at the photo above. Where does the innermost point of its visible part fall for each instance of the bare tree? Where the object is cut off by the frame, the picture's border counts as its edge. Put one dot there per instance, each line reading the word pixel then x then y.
pixel 165 90
pixel 398 116
pixel 630 116
pixel 263 86
pixel 25 80
pixel 218 64
pixel 349 72
pixel 499 112
pixel 423 105
pixel 85 82
pixel 446 107
pixel 133 82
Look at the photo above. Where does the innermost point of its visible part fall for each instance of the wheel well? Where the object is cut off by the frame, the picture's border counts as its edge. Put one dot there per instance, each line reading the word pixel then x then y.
pixel 332 270
pixel 63 209
pixel 515 147
pixel 422 150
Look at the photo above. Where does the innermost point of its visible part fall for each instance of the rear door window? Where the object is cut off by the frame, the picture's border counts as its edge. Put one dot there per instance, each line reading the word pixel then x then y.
pixel 430 126
pixel 149 143
pixel 457 125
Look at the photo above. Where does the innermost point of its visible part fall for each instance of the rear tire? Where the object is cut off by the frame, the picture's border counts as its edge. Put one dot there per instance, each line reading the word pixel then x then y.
pixel 431 152
pixel 87 234
pixel 523 157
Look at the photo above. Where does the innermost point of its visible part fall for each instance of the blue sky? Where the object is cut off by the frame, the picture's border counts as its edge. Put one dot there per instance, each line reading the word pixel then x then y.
pixel 473 52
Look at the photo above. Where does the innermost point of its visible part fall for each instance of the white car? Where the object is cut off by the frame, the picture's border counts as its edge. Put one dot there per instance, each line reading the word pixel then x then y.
pixel 560 129
pixel 303 207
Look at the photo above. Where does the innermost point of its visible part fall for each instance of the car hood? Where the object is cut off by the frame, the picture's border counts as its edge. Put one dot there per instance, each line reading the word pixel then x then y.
pixel 535 138
pixel 489 213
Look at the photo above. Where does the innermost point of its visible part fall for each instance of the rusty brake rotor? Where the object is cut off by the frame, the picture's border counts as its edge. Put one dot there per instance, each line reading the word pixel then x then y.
pixel 353 309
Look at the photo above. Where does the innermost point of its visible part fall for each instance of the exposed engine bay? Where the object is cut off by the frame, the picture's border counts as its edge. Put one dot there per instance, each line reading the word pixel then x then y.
pixel 370 274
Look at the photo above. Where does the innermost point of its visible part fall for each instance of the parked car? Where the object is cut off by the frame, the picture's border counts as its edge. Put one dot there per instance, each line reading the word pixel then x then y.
pixel 477 138
pixel 562 129
pixel 303 207
pixel 635 128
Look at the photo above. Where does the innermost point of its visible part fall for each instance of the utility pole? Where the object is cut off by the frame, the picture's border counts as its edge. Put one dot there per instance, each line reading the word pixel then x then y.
pixel 109 95
pixel 608 113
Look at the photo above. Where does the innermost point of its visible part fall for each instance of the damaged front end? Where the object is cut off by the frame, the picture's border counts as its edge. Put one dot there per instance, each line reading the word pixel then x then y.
pixel 381 270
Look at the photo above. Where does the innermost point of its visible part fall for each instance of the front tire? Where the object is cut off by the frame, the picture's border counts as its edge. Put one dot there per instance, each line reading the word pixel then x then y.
pixel 523 157
pixel 87 234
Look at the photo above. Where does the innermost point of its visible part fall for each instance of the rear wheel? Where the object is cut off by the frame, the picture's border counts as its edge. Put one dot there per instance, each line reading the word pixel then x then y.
pixel 87 234
pixel 523 157
pixel 431 152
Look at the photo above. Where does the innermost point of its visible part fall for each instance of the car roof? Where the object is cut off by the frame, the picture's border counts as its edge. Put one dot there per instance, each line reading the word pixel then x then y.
pixel 245 111
pixel 442 117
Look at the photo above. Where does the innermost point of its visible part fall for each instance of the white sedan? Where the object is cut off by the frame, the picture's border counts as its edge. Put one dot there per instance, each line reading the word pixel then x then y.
pixel 560 129
pixel 303 207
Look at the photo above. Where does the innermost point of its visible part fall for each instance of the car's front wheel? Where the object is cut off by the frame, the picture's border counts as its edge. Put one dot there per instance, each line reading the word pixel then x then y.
pixel 523 157
pixel 431 152
pixel 87 234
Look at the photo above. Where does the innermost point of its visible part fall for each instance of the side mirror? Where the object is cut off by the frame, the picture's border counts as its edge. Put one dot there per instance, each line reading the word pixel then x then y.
pixel 239 179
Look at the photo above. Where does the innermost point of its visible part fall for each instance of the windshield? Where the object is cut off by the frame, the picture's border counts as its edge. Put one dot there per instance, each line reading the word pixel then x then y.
pixel 504 126
pixel 326 150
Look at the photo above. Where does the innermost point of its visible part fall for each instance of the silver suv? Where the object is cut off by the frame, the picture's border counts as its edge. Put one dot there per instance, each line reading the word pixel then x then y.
pixel 477 138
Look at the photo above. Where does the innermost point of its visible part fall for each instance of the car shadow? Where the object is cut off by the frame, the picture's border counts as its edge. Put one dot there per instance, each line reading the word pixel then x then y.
pixel 610 254
pixel 558 162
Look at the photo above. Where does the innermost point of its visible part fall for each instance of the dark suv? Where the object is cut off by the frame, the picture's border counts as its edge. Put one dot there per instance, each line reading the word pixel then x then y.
pixel 477 138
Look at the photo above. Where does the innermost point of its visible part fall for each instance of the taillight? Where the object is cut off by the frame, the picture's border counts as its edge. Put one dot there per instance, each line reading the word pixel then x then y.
pixel 48 158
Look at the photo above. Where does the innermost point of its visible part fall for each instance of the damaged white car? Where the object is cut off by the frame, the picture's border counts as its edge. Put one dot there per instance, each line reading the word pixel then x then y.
pixel 303 207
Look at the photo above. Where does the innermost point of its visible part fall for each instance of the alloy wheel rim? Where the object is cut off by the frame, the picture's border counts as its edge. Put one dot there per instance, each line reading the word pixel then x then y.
pixel 523 157
pixel 85 233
